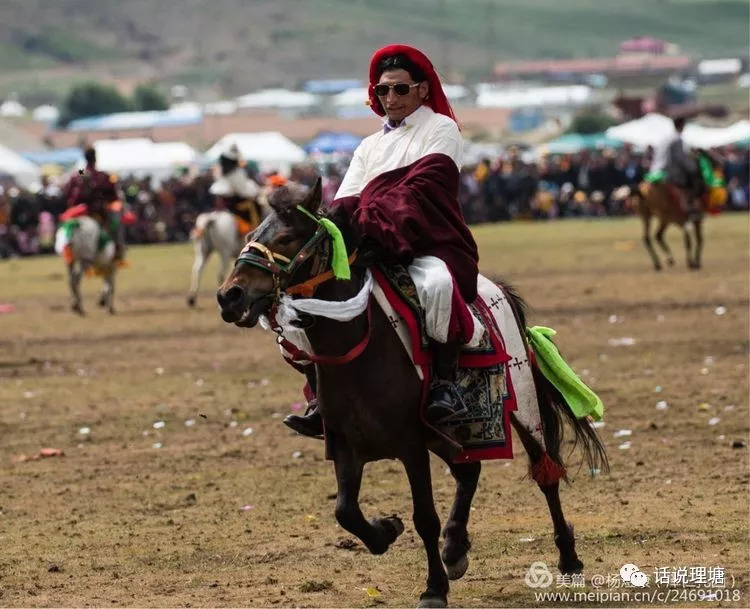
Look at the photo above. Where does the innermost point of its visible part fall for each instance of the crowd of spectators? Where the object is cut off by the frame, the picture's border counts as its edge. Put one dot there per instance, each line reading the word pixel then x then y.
pixel 585 184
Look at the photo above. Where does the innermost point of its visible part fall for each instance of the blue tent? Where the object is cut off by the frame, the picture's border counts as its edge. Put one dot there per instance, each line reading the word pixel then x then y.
pixel 328 142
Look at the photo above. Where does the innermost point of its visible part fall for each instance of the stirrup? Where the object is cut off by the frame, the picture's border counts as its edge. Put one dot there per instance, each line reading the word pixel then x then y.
pixel 439 411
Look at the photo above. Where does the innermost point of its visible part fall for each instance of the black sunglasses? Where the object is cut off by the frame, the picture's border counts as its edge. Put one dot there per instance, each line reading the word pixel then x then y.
pixel 400 89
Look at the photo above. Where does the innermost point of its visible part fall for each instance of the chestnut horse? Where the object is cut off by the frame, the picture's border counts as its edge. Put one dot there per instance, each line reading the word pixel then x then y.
pixel 371 403
pixel 655 201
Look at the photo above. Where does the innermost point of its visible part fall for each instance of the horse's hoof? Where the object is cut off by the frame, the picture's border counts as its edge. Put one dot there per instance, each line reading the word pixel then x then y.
pixel 76 308
pixel 102 301
pixel 570 567
pixel 388 531
pixel 191 301
pixel 458 569
pixel 670 262
pixel 112 311
pixel 657 268
pixel 432 599
pixel 396 524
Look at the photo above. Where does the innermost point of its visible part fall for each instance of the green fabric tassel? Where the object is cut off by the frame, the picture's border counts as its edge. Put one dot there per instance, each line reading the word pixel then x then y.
pixel 582 400
pixel 340 259
pixel 707 172
pixel 69 226
pixel 655 177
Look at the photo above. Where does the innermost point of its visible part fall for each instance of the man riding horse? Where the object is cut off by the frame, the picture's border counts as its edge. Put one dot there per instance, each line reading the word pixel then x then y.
pixel 96 191
pixel 401 197
pixel 236 191
pixel 675 167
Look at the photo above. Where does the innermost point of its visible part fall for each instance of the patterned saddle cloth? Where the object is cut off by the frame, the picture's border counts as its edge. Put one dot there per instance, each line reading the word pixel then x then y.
pixel 494 378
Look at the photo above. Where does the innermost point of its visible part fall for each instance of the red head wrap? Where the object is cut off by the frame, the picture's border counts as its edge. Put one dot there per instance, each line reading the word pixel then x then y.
pixel 436 98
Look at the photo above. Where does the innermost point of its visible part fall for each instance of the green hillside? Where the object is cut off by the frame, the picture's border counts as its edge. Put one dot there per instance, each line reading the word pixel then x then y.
pixel 233 46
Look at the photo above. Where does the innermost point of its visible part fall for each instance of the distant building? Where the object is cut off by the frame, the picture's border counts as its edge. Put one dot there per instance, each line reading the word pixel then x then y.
pixel 622 65
pixel 644 44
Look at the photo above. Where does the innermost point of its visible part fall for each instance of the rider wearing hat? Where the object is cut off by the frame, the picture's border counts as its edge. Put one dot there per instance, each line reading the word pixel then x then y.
pixel 401 196
pixel 236 191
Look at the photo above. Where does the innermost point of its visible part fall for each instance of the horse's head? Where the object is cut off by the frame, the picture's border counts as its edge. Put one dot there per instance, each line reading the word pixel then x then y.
pixel 278 254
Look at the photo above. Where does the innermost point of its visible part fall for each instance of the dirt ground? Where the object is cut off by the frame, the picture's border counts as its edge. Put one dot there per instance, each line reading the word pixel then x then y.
pixel 170 500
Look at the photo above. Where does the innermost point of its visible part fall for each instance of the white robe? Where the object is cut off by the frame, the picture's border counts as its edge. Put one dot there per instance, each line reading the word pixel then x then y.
pixel 421 133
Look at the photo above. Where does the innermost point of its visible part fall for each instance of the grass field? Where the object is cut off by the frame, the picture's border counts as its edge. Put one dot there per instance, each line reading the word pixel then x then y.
pixel 135 514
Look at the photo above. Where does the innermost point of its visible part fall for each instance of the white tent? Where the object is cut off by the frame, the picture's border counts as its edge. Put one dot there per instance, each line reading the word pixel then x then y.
pixel 490 95
pixel 456 92
pixel 142 157
pixel 46 114
pixel 277 98
pixel 220 107
pixel 12 108
pixel 269 149
pixel 24 172
pixel 652 129
pixel 351 97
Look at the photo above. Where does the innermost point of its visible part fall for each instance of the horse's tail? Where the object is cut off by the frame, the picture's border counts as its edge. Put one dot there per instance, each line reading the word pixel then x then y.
pixel 555 413
pixel 202 223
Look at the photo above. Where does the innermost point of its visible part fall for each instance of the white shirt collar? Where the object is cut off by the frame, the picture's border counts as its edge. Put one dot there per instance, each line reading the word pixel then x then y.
pixel 420 115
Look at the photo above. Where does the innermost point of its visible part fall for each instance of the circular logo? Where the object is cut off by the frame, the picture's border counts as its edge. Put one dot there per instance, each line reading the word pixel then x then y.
pixel 626 571
pixel 538 576
pixel 639 579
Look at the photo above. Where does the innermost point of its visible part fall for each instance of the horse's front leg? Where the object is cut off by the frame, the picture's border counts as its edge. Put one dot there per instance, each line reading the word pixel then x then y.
pixel 427 523
pixel 377 535
pixel 74 280
pixel 455 533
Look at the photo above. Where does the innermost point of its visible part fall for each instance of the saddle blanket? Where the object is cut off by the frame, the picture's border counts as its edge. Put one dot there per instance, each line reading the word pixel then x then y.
pixel 494 377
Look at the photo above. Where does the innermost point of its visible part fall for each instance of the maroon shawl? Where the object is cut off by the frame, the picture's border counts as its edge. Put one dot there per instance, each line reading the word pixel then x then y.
pixel 414 211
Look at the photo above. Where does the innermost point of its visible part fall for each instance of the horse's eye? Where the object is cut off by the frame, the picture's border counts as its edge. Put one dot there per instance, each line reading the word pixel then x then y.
pixel 286 239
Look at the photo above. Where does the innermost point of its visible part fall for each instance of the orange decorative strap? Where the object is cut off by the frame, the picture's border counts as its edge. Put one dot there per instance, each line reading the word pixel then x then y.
pixel 307 288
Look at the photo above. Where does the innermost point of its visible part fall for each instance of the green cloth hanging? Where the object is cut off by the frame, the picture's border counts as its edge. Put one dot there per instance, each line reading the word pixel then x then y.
pixel 582 400
pixel 707 172
pixel 339 259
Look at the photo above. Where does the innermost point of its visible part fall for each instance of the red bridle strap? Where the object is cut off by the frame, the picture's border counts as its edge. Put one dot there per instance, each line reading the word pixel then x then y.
pixel 297 354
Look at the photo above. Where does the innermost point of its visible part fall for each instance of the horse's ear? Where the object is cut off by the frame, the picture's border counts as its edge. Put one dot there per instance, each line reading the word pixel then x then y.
pixel 281 201
pixel 314 197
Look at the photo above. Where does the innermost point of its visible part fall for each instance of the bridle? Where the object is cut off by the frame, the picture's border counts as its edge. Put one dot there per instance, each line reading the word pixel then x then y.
pixel 283 268
pixel 277 264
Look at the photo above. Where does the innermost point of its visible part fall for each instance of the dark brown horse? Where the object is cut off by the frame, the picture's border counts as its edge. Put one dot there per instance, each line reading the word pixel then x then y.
pixel 371 404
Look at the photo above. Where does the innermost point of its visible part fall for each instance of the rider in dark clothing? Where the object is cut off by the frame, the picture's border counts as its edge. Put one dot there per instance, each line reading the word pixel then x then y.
pixel 96 190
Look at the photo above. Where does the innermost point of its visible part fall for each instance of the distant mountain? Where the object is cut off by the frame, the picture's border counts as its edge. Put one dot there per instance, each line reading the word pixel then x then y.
pixel 229 47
